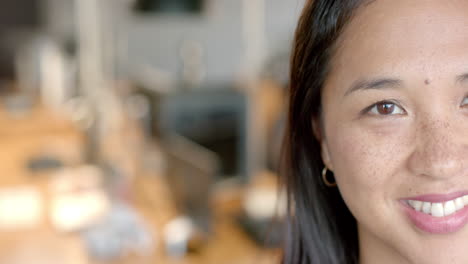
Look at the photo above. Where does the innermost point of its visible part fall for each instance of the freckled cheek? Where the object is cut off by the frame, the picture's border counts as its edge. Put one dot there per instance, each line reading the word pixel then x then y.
pixel 365 164
pixel 365 160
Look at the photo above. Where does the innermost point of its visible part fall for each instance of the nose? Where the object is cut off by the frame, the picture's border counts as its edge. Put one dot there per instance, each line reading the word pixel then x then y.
pixel 441 149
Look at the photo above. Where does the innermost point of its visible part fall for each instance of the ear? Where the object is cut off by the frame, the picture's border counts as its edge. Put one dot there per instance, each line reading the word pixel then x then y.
pixel 319 135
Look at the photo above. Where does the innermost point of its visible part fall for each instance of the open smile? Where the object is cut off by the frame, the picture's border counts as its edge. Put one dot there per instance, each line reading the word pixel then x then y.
pixel 438 213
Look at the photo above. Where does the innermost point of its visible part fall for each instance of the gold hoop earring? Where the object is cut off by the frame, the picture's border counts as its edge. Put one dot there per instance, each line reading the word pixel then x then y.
pixel 325 180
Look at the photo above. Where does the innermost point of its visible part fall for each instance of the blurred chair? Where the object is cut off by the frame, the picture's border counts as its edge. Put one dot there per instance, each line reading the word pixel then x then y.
pixel 190 172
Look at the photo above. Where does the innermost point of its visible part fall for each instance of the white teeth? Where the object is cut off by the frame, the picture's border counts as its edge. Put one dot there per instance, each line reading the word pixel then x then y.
pixel 437 210
pixel 465 199
pixel 459 204
pixel 417 205
pixel 449 208
pixel 426 208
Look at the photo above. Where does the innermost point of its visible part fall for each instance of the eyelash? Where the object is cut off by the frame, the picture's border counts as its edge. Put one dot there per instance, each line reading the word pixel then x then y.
pixel 465 99
pixel 369 109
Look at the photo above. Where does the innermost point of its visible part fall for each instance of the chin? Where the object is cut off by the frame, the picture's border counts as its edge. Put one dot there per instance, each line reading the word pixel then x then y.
pixel 436 248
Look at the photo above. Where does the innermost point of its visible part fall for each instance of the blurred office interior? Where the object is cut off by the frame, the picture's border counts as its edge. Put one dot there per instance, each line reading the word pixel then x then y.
pixel 142 131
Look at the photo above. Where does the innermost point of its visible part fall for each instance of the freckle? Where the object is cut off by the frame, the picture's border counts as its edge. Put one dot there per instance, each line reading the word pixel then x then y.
pixel 427 82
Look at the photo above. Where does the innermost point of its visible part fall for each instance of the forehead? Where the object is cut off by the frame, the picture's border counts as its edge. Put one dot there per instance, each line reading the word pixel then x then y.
pixel 428 37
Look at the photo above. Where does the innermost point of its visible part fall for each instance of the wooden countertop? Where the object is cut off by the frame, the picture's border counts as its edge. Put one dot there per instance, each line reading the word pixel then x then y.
pixel 45 132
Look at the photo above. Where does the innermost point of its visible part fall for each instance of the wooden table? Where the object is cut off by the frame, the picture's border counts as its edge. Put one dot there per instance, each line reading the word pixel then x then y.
pixel 43 131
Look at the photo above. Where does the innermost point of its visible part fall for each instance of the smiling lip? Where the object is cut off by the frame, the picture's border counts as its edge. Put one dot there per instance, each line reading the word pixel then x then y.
pixel 437 198
pixel 437 225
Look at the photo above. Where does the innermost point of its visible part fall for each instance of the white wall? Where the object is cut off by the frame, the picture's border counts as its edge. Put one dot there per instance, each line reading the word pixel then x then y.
pixel 155 40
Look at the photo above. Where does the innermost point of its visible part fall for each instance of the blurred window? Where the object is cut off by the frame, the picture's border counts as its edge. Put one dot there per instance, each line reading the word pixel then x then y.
pixel 169 6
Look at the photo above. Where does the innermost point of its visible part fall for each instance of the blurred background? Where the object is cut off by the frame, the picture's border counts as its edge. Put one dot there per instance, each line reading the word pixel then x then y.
pixel 142 131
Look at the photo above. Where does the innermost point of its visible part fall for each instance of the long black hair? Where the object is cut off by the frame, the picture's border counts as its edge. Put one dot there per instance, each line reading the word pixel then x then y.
pixel 320 227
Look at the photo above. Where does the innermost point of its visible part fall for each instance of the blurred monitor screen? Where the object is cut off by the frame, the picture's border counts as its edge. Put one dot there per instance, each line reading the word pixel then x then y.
pixel 212 118
pixel 169 6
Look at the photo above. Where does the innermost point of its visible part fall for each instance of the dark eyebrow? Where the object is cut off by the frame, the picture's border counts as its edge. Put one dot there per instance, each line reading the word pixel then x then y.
pixel 374 84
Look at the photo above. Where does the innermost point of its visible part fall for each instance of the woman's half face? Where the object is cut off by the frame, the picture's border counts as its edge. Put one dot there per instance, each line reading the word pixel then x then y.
pixel 395 117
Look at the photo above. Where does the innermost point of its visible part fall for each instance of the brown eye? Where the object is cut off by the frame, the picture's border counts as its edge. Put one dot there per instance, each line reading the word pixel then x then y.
pixel 386 108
